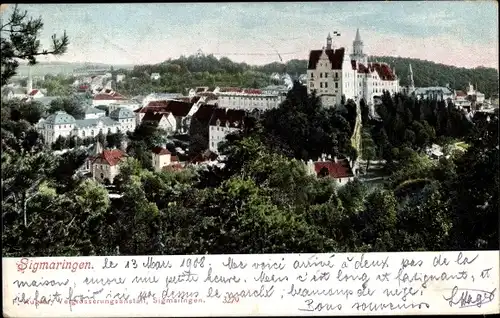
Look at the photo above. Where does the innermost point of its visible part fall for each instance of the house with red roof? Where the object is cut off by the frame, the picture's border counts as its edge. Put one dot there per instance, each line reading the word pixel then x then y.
pixel 35 93
pixel 336 168
pixel 105 166
pixel 336 76
pixel 162 158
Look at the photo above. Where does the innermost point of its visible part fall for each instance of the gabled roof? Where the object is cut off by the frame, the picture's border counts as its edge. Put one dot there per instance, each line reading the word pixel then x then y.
pixel 335 56
pixel 232 117
pixel 153 117
pixel 383 70
pixel 160 151
pixel 339 169
pixel 34 92
pixel 112 157
pixel 204 113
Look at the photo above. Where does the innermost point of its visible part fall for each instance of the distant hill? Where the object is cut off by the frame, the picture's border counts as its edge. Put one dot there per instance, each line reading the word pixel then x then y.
pixel 66 68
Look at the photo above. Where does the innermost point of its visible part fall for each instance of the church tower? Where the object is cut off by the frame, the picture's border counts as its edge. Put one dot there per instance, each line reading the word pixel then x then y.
pixel 357 50
pixel 329 42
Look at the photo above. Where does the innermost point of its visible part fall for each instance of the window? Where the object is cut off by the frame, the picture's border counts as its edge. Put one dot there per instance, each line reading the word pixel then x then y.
pixel 321 75
pixel 326 84
pixel 312 75
pixel 326 75
pixel 336 85
pixel 321 85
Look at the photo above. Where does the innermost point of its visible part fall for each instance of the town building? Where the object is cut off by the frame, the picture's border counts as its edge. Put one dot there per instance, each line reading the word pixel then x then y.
pixel 127 104
pixel 248 99
pixel 180 110
pixel 107 97
pixel 164 120
pixel 94 113
pixel 155 76
pixel 338 169
pixel 106 166
pixel 162 159
pixel 222 123
pixel 120 78
pixel 435 93
pixel 336 76
pixel 61 124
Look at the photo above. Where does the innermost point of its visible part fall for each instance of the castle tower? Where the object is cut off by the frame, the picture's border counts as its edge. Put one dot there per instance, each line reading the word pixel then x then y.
pixel 357 50
pixel 29 86
pixel 329 42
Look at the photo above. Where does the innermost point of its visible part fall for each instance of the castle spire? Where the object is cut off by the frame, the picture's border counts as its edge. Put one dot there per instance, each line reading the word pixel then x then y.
pixel 329 42
pixel 358 37
pixel 412 83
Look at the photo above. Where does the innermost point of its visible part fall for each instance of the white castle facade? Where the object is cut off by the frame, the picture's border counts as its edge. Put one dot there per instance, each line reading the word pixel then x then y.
pixel 336 75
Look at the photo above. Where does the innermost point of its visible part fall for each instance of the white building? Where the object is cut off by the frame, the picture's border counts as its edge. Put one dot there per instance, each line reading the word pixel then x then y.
pixel 334 75
pixel 120 78
pixel 155 76
pixel 153 97
pixel 435 93
pixel 62 124
pixel 164 120
pixel 58 124
pixel 474 95
pixel 248 99
pixel 107 98
pixel 94 113
pixel 223 123
pixel 130 105
pixel 125 118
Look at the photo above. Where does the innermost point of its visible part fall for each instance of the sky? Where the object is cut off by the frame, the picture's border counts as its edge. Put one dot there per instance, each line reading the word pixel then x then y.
pixel 460 33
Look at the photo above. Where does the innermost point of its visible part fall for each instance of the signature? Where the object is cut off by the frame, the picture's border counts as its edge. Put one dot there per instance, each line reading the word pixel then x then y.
pixel 466 297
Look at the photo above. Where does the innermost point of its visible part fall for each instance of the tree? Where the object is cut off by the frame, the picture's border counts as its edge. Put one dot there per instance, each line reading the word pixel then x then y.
pixel 72 106
pixel 19 37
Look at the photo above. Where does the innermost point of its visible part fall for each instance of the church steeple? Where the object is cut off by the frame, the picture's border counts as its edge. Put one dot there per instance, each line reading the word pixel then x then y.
pixel 329 42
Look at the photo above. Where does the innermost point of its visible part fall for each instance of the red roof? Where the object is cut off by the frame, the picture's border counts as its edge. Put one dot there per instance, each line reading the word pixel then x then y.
pixel 339 169
pixel 112 157
pixel 34 92
pixel 161 151
pixel 383 70
pixel 83 87
pixel 335 56
pixel 112 96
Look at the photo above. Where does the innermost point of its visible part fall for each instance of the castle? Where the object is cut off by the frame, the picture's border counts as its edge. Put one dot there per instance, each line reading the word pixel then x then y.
pixel 337 76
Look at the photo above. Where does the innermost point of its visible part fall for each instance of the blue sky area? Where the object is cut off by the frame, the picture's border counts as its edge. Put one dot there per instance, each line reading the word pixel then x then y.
pixel 462 33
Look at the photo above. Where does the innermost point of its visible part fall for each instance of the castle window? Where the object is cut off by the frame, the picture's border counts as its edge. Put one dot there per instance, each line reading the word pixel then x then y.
pixel 336 85
pixel 326 84
pixel 321 85
pixel 321 75
pixel 326 75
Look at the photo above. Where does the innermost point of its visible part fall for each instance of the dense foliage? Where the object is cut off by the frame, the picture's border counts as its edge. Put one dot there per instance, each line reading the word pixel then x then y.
pixel 263 200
